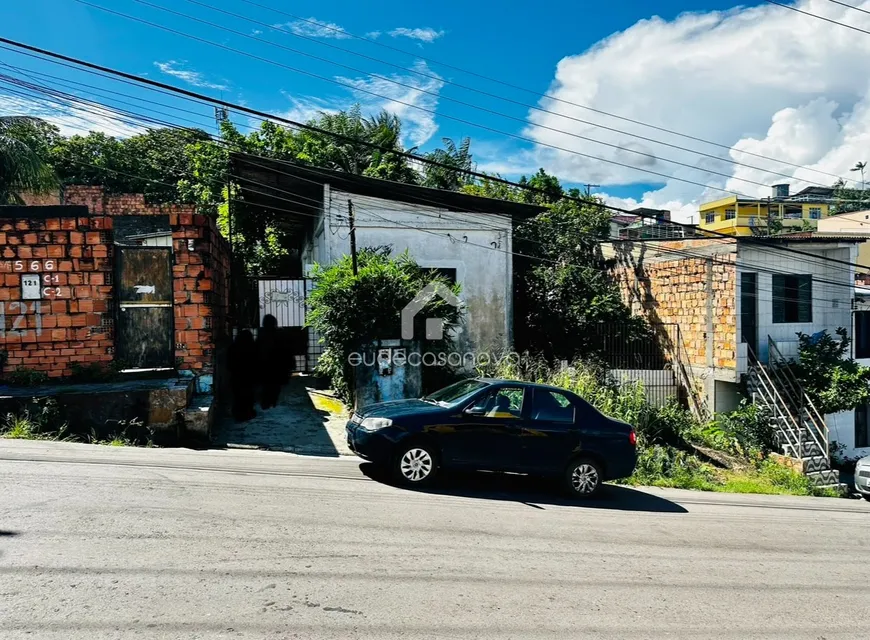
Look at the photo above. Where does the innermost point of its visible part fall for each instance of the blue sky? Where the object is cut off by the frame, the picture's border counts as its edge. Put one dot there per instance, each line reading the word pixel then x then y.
pixel 605 55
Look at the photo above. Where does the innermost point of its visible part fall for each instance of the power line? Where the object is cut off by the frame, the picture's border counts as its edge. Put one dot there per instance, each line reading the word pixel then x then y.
pixel 815 15
pixel 405 154
pixel 280 29
pixel 682 253
pixel 431 111
pixel 850 6
pixel 503 83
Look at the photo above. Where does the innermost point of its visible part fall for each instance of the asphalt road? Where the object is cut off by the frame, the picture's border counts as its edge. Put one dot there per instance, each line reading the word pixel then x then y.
pixel 99 542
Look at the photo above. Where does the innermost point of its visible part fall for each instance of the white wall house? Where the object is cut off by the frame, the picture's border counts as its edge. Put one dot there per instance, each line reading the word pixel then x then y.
pixel 469 239
pixel 805 292
pixel 473 249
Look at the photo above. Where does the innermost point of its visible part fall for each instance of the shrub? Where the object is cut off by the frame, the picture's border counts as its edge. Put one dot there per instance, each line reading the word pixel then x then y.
pixel 40 420
pixel 668 467
pixel 349 311
pixel 832 380
pixel 22 377
pixel 94 372
pixel 743 431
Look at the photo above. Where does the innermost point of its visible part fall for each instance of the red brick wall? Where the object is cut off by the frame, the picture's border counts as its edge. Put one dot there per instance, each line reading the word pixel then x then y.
pixel 74 259
pixel 201 296
pixel 69 323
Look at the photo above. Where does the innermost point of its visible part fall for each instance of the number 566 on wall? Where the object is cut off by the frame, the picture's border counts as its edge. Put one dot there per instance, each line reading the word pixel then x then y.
pixel 20 266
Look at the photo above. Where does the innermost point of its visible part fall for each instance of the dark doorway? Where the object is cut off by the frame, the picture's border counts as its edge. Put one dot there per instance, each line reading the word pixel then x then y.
pixel 144 336
pixel 749 310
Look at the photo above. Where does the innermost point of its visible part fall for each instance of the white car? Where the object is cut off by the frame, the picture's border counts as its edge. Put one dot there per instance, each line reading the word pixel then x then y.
pixel 862 477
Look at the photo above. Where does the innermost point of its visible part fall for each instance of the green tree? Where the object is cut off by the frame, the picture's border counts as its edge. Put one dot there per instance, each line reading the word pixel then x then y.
pixel 830 377
pixel 860 166
pixel 24 143
pixel 456 161
pixel 564 292
pixel 847 200
pixel 350 311
pixel 151 163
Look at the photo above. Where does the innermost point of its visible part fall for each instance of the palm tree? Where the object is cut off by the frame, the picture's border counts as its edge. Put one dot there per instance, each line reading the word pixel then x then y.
pixel 455 160
pixel 860 166
pixel 21 169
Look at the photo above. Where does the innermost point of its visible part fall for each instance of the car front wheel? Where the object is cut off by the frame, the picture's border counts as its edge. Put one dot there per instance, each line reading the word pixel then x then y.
pixel 866 496
pixel 583 478
pixel 415 465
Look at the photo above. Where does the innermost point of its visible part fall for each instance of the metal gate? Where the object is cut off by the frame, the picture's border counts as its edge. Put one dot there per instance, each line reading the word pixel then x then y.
pixel 144 328
pixel 285 301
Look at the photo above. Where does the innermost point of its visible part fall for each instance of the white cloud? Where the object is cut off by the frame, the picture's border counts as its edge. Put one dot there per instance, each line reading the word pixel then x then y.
pixel 374 35
pixel 307 108
pixel 763 80
pixel 314 28
pixel 71 120
pixel 417 126
pixel 195 78
pixel 426 34
pixel 421 92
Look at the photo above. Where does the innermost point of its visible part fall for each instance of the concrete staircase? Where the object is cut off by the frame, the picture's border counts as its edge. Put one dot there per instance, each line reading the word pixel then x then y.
pixel 800 430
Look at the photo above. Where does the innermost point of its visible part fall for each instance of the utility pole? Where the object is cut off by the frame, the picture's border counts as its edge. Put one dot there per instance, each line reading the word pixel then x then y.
pixel 352 235
pixel 589 188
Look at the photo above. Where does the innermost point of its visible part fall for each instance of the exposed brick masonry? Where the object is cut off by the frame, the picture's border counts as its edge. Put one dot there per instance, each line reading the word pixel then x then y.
pixel 73 255
pixel 677 291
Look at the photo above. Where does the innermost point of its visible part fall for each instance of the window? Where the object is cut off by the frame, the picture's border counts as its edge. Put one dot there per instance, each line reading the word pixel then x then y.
pixel 448 274
pixel 793 212
pixel 862 427
pixel 815 213
pixel 730 214
pixel 455 392
pixel 749 309
pixel 862 334
pixel 792 298
pixel 710 218
pixel 551 406
pixel 506 402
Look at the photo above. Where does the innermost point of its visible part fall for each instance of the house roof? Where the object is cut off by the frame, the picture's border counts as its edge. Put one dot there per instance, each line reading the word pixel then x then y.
pixel 623 219
pixel 297 190
pixel 805 236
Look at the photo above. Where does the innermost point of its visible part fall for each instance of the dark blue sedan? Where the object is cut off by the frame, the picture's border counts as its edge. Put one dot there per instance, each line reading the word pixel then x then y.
pixel 496 425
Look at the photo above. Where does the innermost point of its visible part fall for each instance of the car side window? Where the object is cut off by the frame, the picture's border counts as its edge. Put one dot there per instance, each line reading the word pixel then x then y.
pixel 506 402
pixel 552 406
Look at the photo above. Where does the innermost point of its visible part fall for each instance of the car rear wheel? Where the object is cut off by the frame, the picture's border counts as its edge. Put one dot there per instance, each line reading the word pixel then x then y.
pixel 583 478
pixel 415 465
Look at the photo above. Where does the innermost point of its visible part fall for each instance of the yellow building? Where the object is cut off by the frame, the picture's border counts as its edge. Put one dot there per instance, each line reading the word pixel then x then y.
pixel 737 216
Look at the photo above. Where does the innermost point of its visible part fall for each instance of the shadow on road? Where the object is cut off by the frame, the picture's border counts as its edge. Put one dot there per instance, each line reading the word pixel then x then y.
pixel 537 493
pixel 7 534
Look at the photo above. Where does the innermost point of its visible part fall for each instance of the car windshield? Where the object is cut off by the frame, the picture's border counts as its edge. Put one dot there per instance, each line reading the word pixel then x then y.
pixel 456 392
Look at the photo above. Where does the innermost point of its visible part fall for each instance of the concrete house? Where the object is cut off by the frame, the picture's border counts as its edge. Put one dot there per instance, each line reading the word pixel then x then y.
pixel 739 304
pixel 468 239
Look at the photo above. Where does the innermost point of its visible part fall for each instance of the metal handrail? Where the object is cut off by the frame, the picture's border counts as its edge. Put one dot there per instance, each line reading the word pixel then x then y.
pixel 773 392
pixel 823 438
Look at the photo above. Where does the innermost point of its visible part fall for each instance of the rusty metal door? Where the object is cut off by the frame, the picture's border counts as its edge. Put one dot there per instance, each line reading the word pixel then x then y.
pixel 144 336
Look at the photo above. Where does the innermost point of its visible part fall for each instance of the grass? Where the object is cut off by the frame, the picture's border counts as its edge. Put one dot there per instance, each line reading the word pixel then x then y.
pixel 40 421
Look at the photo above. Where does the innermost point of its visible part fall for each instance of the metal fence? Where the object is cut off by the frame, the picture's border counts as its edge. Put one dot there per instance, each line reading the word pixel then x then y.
pixel 650 355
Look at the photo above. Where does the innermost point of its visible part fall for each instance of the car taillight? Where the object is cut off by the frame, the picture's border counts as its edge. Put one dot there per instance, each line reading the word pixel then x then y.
pixel 632 438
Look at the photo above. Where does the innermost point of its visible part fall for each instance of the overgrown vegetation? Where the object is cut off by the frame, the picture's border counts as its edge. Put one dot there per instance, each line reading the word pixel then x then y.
pixel 830 377
pixel 349 312
pixel 40 419
pixel 672 444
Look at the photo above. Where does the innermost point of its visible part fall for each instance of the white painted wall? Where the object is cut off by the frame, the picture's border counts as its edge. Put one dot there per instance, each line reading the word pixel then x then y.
pixel 841 428
pixel 832 290
pixel 477 245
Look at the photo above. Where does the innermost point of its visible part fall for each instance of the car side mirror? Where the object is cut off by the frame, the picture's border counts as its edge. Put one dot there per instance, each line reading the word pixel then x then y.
pixel 475 411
